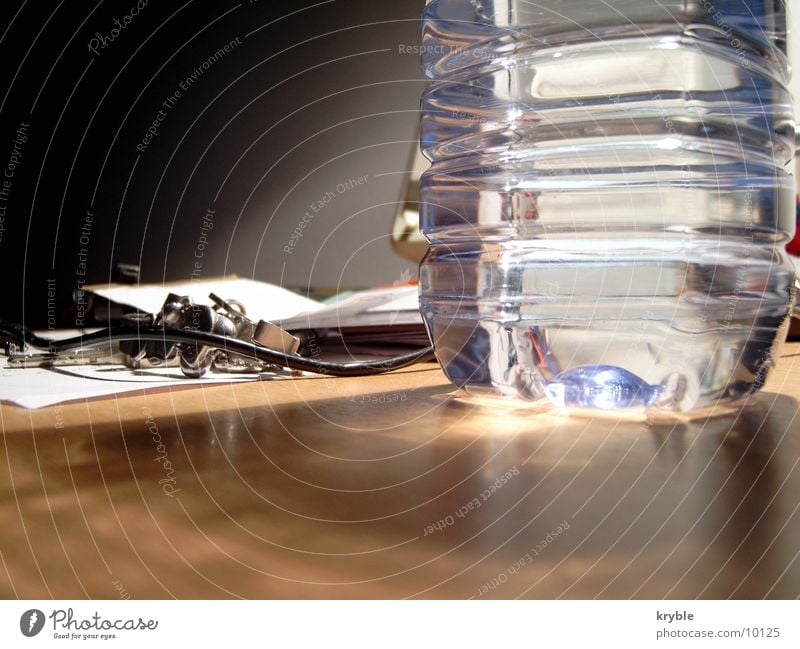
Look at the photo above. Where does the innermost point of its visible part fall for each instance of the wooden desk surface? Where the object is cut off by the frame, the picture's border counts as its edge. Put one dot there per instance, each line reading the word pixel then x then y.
pixel 391 487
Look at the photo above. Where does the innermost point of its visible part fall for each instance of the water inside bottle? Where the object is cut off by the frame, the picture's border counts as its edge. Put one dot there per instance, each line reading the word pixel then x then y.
pixel 606 208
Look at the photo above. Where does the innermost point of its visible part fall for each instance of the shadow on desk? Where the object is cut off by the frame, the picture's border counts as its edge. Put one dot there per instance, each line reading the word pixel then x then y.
pixel 390 487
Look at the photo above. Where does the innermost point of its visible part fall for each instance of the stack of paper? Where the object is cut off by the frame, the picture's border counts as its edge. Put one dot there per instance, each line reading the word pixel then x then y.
pixel 387 315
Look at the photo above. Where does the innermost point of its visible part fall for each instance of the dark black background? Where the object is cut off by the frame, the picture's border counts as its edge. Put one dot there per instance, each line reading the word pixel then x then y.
pixel 317 92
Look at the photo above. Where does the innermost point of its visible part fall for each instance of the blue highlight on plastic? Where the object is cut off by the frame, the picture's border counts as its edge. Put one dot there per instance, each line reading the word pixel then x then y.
pixel 604 387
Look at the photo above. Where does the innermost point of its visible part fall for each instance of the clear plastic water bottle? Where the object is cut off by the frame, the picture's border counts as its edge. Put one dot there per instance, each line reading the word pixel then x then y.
pixel 609 198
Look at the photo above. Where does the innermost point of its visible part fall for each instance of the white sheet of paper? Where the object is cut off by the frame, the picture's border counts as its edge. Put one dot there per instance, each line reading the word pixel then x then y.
pixel 406 299
pixel 262 300
pixel 36 387
pixel 373 307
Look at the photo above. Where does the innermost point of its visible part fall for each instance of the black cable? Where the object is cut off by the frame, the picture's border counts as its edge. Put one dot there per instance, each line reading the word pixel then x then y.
pixel 149 332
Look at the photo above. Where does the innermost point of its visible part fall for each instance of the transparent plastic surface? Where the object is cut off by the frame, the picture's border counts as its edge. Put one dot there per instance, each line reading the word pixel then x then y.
pixel 608 200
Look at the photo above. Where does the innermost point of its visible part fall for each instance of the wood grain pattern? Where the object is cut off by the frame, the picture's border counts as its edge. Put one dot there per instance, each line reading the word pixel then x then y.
pixel 393 487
